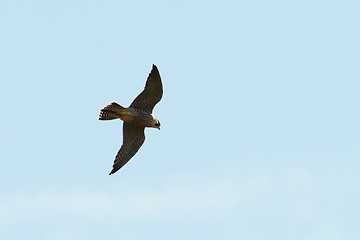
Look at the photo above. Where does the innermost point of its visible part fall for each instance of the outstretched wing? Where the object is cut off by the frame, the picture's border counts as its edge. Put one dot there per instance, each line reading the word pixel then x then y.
pixel 152 93
pixel 133 138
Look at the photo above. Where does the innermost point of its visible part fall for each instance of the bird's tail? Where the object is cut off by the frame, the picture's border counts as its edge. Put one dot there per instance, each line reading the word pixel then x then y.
pixel 111 111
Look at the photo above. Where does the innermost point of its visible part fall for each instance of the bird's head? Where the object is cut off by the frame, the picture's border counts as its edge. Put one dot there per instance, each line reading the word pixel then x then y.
pixel 154 122
pixel 157 124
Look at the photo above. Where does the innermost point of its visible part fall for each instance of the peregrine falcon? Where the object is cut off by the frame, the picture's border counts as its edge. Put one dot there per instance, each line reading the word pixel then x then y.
pixel 136 118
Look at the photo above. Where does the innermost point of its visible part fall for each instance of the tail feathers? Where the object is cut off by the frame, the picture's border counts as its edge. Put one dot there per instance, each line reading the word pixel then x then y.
pixel 111 111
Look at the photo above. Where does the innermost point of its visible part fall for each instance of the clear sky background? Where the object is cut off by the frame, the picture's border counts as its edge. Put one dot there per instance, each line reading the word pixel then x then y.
pixel 260 120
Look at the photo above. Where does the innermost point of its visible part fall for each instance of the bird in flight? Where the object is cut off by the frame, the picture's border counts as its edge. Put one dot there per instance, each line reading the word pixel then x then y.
pixel 136 118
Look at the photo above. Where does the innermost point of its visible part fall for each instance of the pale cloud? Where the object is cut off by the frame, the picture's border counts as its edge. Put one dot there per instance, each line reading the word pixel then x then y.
pixel 292 195
pixel 173 202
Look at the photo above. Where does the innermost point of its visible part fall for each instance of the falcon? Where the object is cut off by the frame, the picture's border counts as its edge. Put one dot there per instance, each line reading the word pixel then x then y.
pixel 136 118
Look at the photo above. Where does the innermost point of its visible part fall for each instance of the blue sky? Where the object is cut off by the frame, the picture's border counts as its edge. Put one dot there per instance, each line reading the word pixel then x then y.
pixel 260 120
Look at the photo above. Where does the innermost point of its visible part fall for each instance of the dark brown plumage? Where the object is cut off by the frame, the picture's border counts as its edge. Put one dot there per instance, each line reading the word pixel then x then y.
pixel 136 118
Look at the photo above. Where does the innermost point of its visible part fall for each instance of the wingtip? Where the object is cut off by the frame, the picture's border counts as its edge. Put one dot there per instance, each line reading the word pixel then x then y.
pixel 113 171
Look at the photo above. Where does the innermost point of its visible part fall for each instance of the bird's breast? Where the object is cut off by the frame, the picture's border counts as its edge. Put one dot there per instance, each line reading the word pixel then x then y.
pixel 137 116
